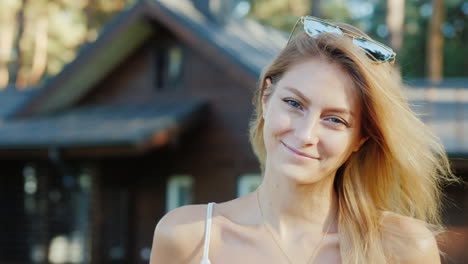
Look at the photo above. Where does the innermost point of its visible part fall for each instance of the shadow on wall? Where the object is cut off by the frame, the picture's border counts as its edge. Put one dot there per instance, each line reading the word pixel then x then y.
pixel 456 245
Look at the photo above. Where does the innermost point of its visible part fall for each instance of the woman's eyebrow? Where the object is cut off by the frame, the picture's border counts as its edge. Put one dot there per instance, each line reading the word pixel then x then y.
pixel 298 93
pixel 340 111
pixel 307 100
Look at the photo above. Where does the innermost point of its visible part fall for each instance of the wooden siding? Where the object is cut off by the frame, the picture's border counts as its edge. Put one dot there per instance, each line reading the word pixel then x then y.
pixel 215 153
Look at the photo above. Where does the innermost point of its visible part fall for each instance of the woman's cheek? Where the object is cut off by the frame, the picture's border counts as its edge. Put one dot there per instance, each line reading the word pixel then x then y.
pixel 280 114
pixel 336 143
pixel 281 123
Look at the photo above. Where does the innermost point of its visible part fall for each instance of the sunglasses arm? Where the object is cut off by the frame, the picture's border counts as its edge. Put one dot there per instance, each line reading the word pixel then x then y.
pixel 294 28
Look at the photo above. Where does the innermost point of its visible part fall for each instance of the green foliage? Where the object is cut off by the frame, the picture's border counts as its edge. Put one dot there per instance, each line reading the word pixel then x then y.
pixel 412 58
pixel 70 24
pixel 280 14
pixel 456 47
pixel 73 23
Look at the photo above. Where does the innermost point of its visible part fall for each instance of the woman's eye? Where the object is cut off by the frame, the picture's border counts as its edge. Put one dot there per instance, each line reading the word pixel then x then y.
pixel 293 103
pixel 337 121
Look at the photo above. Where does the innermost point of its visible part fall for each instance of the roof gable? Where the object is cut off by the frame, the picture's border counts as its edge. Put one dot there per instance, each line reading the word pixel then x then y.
pixel 244 44
pixel 139 126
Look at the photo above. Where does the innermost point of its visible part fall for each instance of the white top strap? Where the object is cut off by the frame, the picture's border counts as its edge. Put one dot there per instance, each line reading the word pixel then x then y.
pixel 209 213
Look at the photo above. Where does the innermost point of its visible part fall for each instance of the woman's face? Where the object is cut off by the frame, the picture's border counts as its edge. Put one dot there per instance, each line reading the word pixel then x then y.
pixel 312 121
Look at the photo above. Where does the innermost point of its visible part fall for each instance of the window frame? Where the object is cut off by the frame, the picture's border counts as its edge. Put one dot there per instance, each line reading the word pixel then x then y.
pixel 247 183
pixel 175 183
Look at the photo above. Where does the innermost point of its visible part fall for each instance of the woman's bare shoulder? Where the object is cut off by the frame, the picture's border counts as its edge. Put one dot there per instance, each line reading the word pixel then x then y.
pixel 409 240
pixel 179 235
pixel 182 216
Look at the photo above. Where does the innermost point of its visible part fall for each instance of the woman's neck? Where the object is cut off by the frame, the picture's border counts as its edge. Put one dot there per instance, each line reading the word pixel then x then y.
pixel 291 207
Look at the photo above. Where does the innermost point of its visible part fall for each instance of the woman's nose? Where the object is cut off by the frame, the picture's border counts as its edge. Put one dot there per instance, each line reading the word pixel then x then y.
pixel 306 130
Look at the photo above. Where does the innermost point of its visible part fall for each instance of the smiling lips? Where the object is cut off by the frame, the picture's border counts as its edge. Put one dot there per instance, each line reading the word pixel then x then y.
pixel 295 151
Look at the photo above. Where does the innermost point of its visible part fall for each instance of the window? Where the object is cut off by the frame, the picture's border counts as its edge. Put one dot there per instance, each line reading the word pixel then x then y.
pixel 174 65
pixel 55 223
pixel 248 183
pixel 116 203
pixel 168 66
pixel 179 191
pixel 30 189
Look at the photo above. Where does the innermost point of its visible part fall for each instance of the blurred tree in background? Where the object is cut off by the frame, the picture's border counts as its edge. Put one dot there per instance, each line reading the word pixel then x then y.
pixel 373 18
pixel 38 37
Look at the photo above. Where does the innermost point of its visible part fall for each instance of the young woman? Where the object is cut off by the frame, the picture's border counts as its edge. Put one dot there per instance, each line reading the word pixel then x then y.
pixel 350 174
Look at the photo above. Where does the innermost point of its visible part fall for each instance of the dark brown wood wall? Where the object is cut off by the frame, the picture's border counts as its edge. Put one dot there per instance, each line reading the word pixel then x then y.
pixel 215 153
pixel 130 82
pixel 219 154
pixel 455 216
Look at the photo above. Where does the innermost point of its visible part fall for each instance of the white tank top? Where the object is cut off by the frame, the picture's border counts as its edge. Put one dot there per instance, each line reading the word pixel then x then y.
pixel 209 214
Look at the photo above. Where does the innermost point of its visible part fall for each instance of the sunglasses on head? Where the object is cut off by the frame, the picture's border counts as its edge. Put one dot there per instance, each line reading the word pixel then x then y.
pixel 377 51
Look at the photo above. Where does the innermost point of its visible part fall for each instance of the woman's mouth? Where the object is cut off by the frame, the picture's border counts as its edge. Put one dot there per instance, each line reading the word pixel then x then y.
pixel 297 152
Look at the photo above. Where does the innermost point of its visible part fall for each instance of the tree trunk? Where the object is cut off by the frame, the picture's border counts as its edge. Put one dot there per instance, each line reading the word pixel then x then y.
pixel 395 23
pixel 296 7
pixel 17 44
pixel 6 42
pixel 435 42
pixel 39 62
pixel 315 8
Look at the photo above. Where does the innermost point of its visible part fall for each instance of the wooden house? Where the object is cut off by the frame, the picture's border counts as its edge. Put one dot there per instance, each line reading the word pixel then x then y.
pixel 151 116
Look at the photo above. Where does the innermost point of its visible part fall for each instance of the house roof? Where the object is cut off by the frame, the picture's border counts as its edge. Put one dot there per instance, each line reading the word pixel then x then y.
pixel 444 108
pixel 242 45
pixel 449 123
pixel 46 119
pixel 246 42
pixel 132 125
pixel 10 98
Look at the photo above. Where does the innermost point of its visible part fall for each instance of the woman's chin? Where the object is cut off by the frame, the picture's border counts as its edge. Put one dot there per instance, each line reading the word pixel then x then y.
pixel 299 174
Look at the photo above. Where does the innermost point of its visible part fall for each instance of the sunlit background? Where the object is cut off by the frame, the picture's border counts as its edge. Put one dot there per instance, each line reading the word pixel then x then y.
pixel 114 112
pixel 39 37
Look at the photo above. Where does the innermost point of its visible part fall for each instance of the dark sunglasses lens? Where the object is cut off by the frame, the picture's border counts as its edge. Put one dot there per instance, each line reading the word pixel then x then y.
pixel 375 50
pixel 314 28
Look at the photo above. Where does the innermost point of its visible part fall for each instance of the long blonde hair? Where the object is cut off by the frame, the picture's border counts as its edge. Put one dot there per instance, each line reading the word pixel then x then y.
pixel 400 168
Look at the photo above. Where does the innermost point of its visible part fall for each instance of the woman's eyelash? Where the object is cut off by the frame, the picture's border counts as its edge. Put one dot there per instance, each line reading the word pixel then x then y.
pixel 297 105
pixel 293 103
pixel 339 121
